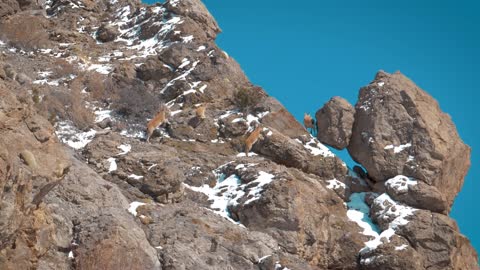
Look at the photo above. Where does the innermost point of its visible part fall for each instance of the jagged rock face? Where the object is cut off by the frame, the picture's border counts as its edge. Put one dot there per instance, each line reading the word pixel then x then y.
pixel 334 122
pixel 285 209
pixel 81 189
pixel 105 239
pixel 196 11
pixel 37 223
pixel 436 237
pixel 400 130
pixel 8 7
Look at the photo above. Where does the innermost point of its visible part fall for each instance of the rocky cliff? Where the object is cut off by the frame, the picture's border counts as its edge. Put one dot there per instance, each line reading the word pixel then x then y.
pixel 82 189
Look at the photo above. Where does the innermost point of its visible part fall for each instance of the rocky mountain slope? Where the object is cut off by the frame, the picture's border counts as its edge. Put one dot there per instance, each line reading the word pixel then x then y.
pixel 82 189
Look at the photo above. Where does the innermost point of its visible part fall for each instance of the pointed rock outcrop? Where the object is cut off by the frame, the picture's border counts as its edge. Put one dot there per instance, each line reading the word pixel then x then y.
pixel 334 122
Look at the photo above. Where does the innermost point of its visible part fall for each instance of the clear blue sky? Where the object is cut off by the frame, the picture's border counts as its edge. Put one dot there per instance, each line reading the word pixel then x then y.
pixel 304 52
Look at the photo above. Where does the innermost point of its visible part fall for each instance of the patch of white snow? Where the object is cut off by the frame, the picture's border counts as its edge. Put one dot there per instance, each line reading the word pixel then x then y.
pixel 71 136
pixel 335 184
pixel 133 207
pixel 113 165
pixel 399 148
pixel 400 183
pixel 134 176
pixel 125 149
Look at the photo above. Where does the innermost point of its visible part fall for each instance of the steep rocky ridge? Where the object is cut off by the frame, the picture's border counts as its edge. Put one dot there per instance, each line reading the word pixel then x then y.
pixel 83 190
pixel 413 155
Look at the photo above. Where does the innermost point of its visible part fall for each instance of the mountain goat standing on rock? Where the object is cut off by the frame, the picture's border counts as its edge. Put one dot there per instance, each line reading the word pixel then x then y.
pixel 309 124
pixel 157 121
pixel 252 139
pixel 200 111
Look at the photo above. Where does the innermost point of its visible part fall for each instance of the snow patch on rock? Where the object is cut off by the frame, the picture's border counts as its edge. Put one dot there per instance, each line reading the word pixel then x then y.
pixel 126 148
pixel 68 134
pixel 359 213
pixel 400 183
pixel 133 207
pixel 399 148
pixel 335 184
pixel 134 176
pixel 316 148
pixel 101 115
pixel 113 165
pixel 228 192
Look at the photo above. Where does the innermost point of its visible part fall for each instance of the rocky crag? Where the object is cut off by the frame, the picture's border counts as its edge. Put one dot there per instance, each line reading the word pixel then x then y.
pixel 81 189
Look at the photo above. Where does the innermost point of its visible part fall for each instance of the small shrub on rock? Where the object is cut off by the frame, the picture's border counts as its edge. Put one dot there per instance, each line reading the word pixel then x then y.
pixel 247 98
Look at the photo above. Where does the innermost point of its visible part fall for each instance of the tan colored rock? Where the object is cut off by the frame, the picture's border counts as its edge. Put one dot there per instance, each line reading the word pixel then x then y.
pixel 10 72
pixel 40 127
pixel 296 154
pixel 104 244
pixel 22 78
pixel 29 159
pixel 334 122
pixel 284 122
pixel 13 29
pixel 107 33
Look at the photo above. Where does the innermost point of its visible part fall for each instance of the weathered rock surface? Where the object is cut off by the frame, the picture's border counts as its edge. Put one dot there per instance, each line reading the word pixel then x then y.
pixel 400 130
pixel 285 211
pixel 408 147
pixel 305 155
pixel 334 122
pixel 104 240
pixel 436 237
pixel 416 194
pixel 8 7
pixel 394 254
pixel 81 189
pixel 107 33
pixel 196 11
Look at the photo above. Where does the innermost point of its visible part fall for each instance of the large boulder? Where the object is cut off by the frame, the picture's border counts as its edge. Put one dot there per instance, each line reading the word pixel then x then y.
pixel 304 153
pixel 216 242
pixel 104 240
pixel 399 129
pixel 434 237
pixel 107 33
pixel 334 122
pixel 395 254
pixel 416 194
pixel 300 212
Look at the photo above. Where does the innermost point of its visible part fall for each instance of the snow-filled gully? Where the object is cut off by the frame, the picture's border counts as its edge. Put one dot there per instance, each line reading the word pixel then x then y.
pixel 359 212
